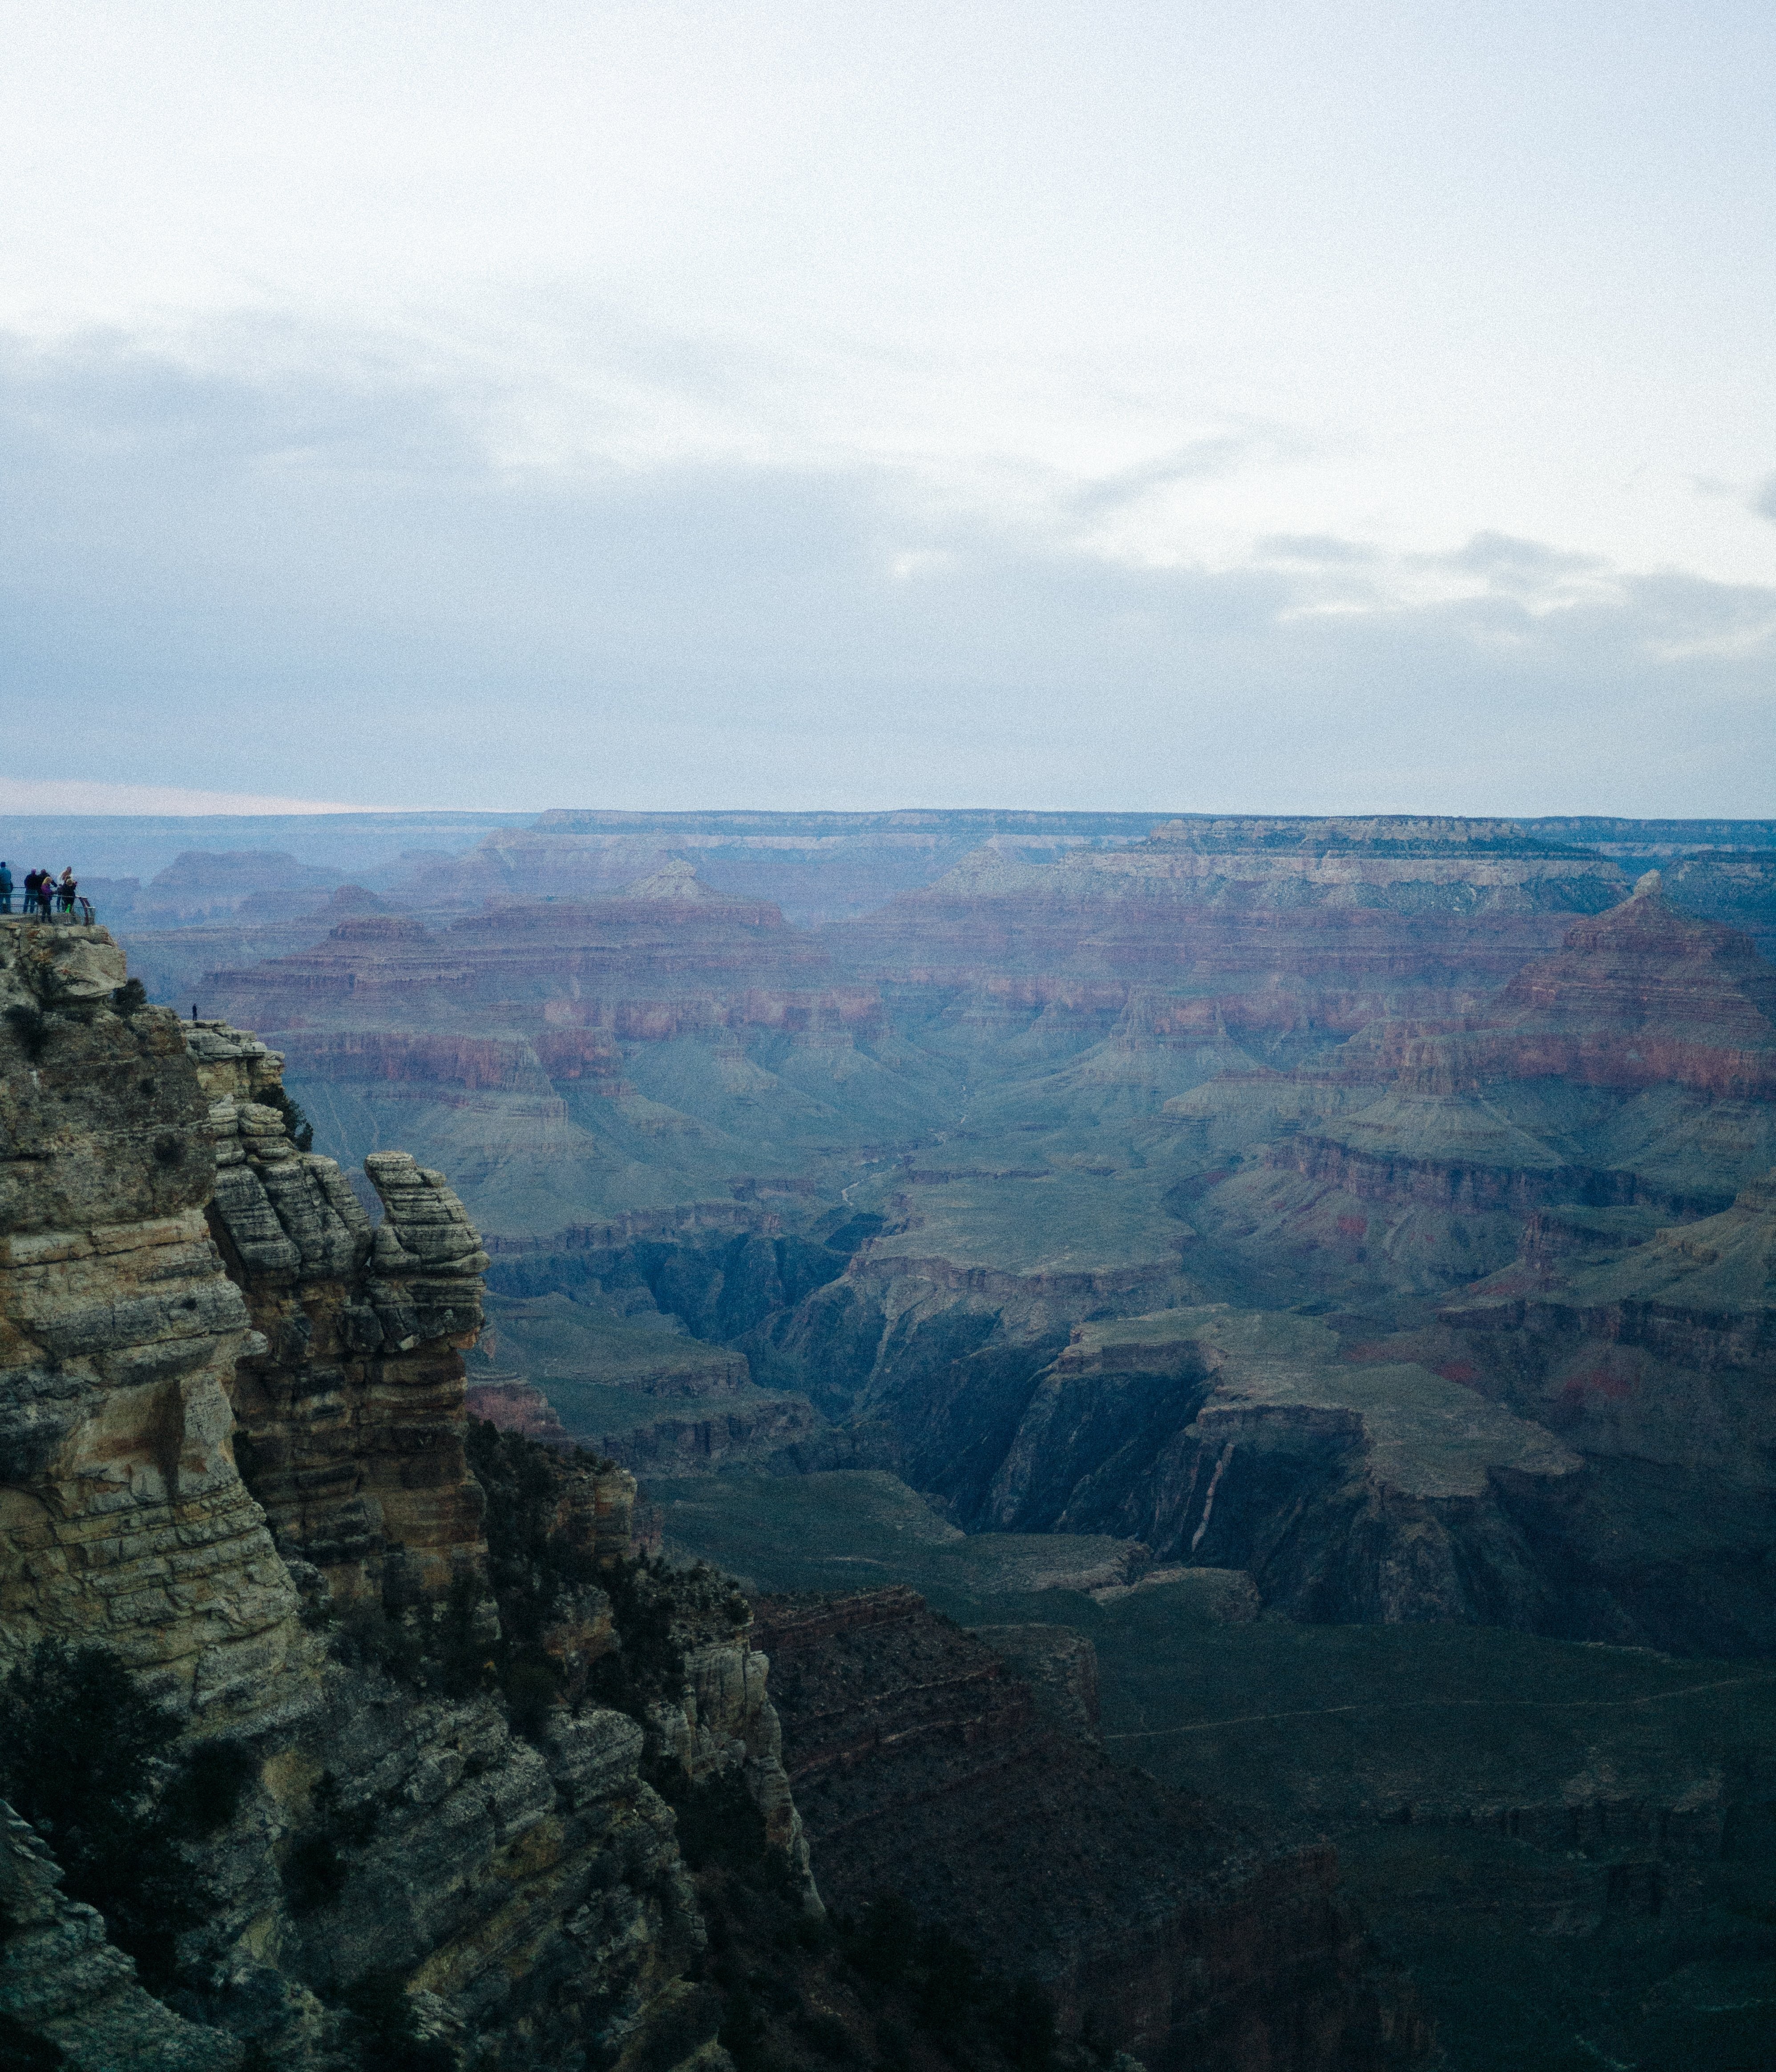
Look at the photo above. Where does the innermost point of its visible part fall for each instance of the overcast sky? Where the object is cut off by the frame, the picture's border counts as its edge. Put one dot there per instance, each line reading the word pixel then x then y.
pixel 1283 407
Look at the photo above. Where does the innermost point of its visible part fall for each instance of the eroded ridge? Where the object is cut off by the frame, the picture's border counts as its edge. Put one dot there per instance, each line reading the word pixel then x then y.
pixel 352 1410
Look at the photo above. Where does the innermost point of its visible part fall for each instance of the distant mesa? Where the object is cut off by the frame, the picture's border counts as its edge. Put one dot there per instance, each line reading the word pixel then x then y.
pixel 356 899
pixel 677 880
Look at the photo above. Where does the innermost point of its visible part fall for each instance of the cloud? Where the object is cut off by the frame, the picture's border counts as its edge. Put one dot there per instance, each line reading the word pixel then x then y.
pixel 316 582
pixel 1315 549
pixel 1208 459
pixel 83 795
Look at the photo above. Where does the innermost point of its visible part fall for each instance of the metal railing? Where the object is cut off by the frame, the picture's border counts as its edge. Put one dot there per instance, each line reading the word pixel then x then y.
pixel 77 912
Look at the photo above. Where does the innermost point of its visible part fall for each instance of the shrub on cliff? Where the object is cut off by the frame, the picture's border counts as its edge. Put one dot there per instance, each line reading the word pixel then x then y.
pixel 438 1646
pixel 84 1757
pixel 23 2050
pixel 530 1565
pixel 886 1988
pixel 302 1130
pixel 648 1663
pixel 30 1029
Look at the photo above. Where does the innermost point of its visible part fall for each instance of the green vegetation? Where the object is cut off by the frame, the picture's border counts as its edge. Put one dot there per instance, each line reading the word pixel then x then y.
pixel 442 1648
pixel 958 2002
pixel 316 1869
pixel 459 1645
pixel 385 2031
pixel 1070 1220
pixel 23 2051
pixel 31 1028
pixel 86 1756
pixel 300 1129
pixel 851 1529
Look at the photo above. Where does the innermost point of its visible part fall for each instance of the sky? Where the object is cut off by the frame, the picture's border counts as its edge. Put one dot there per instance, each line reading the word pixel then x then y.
pixel 1266 407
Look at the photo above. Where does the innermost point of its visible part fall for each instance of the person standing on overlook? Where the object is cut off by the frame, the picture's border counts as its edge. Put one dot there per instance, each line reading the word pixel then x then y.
pixel 33 879
pixel 46 893
pixel 5 887
pixel 66 891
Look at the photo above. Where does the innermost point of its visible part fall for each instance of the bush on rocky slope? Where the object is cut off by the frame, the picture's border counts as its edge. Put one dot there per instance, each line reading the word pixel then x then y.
pixel 84 1757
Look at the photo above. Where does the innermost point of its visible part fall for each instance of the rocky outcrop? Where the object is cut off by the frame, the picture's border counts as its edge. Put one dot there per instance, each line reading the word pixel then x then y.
pixel 123 1519
pixel 1655 1361
pixel 62 1983
pixel 528 950
pixel 1237 1441
pixel 443 1841
pixel 351 1417
pixel 923 1766
pixel 513 1405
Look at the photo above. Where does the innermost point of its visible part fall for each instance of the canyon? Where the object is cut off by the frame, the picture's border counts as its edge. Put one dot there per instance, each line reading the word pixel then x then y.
pixel 1179 1233
pixel 478 1772
pixel 872 1193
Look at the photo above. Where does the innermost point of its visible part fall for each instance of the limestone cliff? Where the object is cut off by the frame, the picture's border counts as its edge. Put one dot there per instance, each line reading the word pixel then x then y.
pixel 123 1519
pixel 352 1414
pixel 444 1840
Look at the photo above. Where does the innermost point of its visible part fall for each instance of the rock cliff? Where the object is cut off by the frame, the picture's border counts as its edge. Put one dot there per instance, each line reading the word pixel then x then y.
pixel 123 1518
pixel 1631 1067
pixel 924 1768
pixel 439 1836
pixel 350 1416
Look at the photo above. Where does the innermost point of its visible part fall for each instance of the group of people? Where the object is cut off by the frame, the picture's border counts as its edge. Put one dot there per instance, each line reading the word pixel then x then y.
pixel 44 893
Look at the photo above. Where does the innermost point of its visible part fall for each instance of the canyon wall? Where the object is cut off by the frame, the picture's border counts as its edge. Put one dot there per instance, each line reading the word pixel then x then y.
pixel 1347 1067
pixel 337 1617
pixel 924 1767
pixel 123 1517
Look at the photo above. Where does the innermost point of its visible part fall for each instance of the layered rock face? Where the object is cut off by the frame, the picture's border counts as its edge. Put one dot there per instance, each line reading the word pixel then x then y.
pixel 522 1898
pixel 1656 1361
pixel 923 1766
pixel 816 866
pixel 123 1519
pixel 1632 1068
pixel 1289 926
pixel 668 927
pixel 352 1417
pixel 1229 1439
